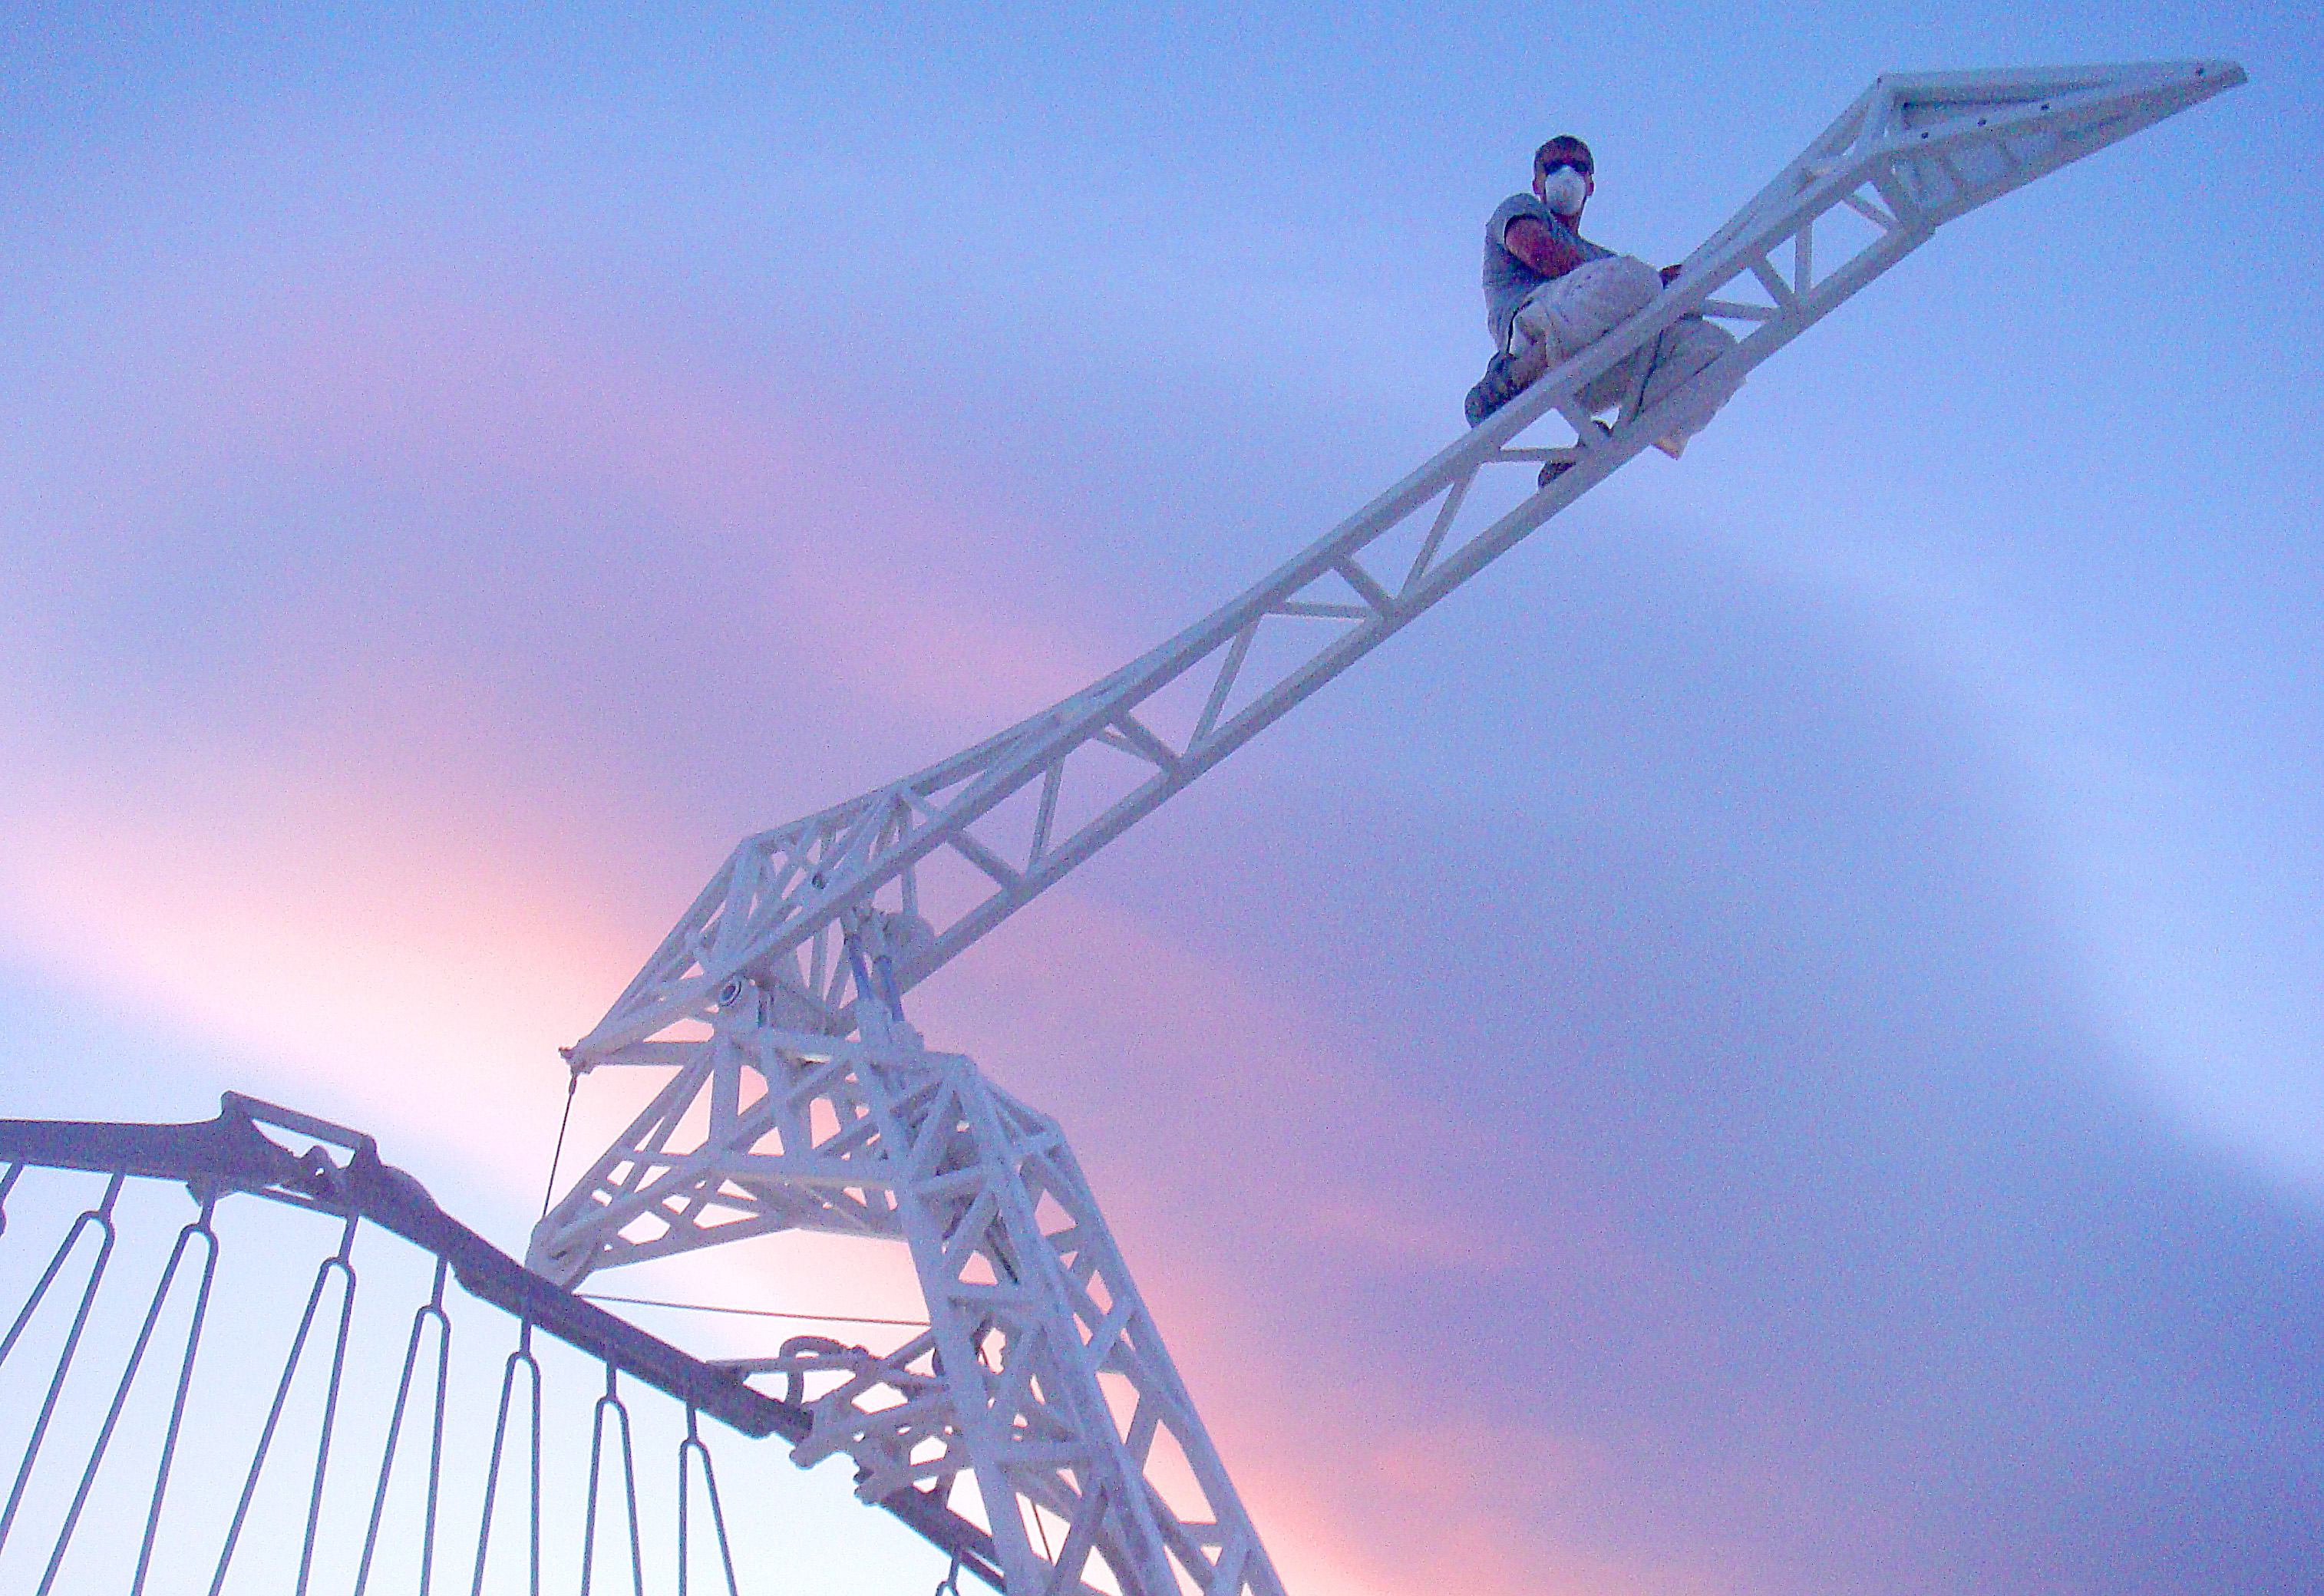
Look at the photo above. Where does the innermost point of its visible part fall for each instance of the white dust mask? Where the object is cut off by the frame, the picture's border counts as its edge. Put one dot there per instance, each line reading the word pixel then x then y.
pixel 1563 190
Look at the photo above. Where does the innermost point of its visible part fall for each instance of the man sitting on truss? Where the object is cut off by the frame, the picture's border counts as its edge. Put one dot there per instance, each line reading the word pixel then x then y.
pixel 1550 293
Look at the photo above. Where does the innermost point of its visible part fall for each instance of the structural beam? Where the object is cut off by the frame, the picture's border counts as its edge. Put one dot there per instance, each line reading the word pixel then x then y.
pixel 1006 820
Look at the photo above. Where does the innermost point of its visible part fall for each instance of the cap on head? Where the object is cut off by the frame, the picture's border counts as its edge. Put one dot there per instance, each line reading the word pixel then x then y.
pixel 1564 147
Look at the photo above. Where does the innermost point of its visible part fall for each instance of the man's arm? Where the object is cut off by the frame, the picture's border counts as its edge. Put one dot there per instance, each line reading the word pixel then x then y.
pixel 1529 240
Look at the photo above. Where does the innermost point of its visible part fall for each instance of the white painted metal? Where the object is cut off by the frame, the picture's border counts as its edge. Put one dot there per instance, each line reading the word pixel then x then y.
pixel 1041 1373
pixel 1914 151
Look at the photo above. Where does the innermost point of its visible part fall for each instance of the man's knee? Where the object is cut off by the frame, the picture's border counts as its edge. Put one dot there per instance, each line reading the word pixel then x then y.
pixel 1588 302
pixel 1625 281
pixel 1601 295
pixel 1700 342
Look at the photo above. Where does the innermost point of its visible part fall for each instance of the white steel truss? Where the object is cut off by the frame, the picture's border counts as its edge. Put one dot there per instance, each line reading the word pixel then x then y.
pixel 1914 152
pixel 1041 1373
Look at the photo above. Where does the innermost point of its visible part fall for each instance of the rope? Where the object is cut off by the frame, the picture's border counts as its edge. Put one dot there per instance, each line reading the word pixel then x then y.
pixel 572 1085
pixel 761 1313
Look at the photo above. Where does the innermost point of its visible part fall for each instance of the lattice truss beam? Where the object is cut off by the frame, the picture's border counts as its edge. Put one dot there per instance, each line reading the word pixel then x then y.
pixel 1041 1373
pixel 952 850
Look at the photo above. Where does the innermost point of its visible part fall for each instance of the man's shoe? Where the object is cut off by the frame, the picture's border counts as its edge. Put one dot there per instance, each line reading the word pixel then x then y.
pixel 1496 387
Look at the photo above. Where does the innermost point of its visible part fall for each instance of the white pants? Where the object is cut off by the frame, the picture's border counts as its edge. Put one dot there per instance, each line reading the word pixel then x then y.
pixel 1565 316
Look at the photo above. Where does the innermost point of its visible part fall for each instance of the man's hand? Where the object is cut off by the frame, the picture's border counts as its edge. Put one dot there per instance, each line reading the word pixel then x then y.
pixel 1670 275
pixel 1539 247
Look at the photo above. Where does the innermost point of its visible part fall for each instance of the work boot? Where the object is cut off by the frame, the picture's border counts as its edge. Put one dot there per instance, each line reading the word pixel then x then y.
pixel 1500 385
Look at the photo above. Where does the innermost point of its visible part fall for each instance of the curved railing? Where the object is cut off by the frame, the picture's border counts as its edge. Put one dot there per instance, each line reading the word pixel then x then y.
pixel 174 1420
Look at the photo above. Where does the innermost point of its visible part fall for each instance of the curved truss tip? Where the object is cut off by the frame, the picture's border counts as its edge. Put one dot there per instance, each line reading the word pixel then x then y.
pixel 805 1107
pixel 1011 816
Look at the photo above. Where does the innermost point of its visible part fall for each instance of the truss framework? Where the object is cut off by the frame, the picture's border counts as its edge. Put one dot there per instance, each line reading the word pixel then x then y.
pixel 1011 816
pixel 1041 1371
pixel 1041 1375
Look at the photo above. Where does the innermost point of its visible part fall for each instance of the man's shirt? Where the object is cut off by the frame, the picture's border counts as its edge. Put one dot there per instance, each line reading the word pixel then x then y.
pixel 1507 278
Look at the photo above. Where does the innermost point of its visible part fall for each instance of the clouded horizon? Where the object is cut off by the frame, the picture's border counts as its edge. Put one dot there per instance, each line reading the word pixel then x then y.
pixel 1769 1044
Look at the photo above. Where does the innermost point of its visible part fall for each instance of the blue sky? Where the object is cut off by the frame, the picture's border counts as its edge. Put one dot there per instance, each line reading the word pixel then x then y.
pixel 1789 1007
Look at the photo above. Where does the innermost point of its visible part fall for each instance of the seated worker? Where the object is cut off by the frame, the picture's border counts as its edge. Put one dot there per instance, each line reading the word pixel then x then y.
pixel 1550 293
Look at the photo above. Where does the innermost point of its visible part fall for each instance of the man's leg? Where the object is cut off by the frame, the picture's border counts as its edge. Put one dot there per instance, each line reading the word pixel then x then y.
pixel 1688 345
pixel 1561 318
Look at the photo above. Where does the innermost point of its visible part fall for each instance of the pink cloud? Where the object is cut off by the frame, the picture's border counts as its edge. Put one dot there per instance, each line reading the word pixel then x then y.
pixel 1174 1068
pixel 410 945
pixel 401 905
pixel 408 836
pixel 863 544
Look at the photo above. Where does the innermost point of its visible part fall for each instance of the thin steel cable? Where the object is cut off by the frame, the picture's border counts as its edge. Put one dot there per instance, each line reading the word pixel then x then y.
pixel 430 1312
pixel 335 1264
pixel 611 1403
pixel 7 1182
pixel 101 1217
pixel 199 1227
pixel 572 1085
pixel 520 1358
pixel 693 1444
pixel 176 1405
pixel 761 1313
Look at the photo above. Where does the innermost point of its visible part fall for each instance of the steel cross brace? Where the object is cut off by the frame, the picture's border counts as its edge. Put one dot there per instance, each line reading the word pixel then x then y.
pixel 1914 151
pixel 1041 1373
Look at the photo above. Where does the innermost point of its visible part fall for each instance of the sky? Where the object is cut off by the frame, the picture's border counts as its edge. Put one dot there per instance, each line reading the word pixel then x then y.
pixel 1769 1044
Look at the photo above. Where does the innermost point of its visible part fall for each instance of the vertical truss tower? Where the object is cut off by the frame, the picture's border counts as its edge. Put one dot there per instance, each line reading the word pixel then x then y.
pixel 796 1096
